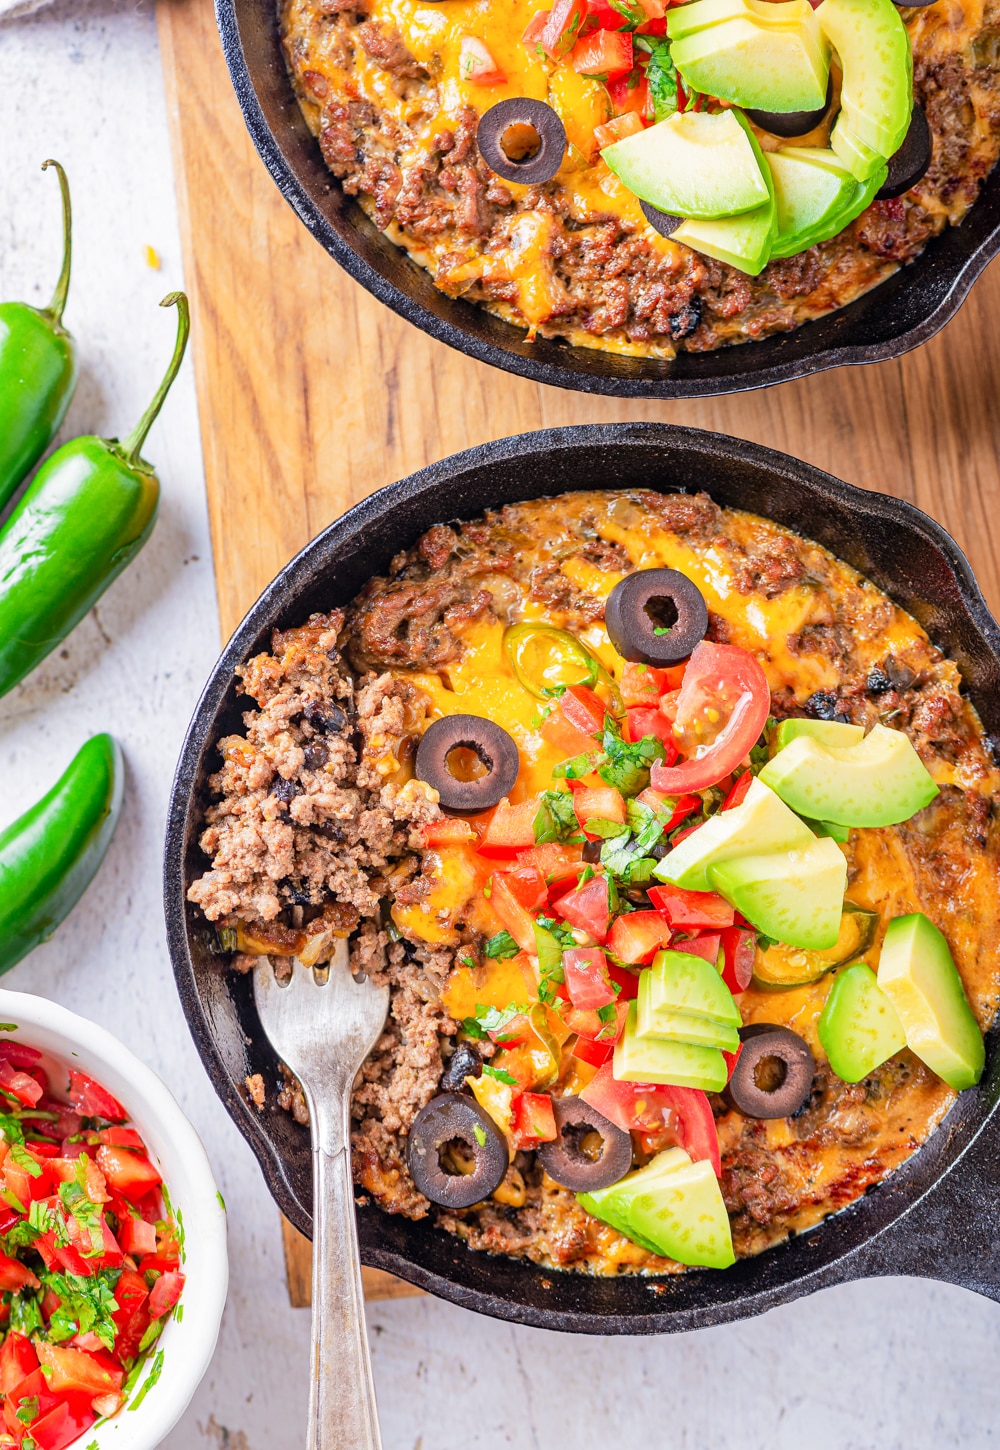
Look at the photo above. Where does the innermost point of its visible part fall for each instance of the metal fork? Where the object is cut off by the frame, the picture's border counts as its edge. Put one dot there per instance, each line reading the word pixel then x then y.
pixel 324 1030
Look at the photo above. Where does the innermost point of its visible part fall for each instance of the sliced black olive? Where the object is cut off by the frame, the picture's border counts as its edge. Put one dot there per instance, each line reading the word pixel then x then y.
pixel 522 140
pixel 592 852
pixel 912 159
pixel 792 123
pixel 655 617
pixel 464 1062
pixel 470 762
pixel 683 323
pixel 661 221
pixel 878 682
pixel 774 1073
pixel 450 1135
pixel 590 1152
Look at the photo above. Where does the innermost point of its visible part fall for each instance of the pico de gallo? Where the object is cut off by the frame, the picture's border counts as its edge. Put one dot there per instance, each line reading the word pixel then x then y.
pixel 90 1254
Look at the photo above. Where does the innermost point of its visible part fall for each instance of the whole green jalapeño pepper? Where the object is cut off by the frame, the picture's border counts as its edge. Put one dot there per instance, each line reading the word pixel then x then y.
pixel 82 519
pixel 37 370
pixel 50 855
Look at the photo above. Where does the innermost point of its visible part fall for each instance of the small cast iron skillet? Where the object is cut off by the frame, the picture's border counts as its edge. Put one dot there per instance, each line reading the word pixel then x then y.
pixel 936 1216
pixel 899 315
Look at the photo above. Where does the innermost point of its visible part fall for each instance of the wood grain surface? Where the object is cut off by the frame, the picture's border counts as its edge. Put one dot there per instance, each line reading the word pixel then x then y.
pixel 312 394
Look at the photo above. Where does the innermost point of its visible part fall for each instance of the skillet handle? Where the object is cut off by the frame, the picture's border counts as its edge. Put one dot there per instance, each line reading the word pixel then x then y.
pixel 951 1234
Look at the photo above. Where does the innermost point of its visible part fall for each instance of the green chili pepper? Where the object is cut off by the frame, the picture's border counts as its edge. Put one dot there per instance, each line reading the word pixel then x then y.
pixel 50 855
pixel 544 659
pixel 83 518
pixel 37 370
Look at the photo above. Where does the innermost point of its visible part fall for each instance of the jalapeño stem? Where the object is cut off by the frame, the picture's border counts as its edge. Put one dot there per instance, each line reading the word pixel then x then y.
pixel 131 447
pixel 55 307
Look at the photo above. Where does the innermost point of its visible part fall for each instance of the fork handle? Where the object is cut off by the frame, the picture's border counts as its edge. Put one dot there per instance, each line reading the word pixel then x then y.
pixel 342 1409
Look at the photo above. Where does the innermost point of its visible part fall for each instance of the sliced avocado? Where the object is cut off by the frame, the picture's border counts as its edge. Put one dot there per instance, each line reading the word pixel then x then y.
pixel 816 201
pixel 917 973
pixel 879 782
pixel 682 982
pixel 861 161
pixel 827 732
pixel 693 164
pixel 685 20
pixel 610 1204
pixel 840 834
pixel 743 241
pixel 647 1059
pixel 761 823
pixel 758 62
pixel 684 1214
pixel 795 897
pixel 680 1026
pixel 874 48
pixel 859 1027
pixel 781 967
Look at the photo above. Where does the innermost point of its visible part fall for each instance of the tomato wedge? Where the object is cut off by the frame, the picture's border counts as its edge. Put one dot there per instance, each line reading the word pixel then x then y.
pixel 740 948
pixel 721 710
pixel 695 1125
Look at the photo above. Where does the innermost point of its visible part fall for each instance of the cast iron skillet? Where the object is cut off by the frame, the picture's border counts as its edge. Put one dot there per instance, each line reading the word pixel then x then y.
pixel 899 315
pixel 937 1215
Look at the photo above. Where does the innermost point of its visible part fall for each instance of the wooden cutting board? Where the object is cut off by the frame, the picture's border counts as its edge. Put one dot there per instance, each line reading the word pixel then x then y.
pixel 312 394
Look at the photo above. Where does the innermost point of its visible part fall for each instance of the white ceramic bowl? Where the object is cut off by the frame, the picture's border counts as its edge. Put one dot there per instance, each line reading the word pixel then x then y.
pixel 189 1343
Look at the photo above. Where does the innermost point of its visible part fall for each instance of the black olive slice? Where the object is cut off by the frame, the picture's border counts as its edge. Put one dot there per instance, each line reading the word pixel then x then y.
pixel 652 600
pixel 464 1062
pixel 470 762
pixel 912 159
pixel 792 123
pixel 522 140
pixel 774 1073
pixel 590 1152
pixel 661 221
pixel 455 1129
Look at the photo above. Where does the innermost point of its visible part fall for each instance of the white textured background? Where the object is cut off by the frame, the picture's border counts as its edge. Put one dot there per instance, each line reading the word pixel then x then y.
pixel 886 1364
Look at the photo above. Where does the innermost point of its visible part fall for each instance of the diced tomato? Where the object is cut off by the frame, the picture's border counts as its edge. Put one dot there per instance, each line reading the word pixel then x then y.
pixel 71 1259
pixel 738 792
pixel 44 1150
pixel 166 1292
pixel 555 863
pixel 683 835
pixel 93 1101
pixel 64 1423
pixel 135 1235
pixel 27 1090
pixel 587 981
pixel 511 829
pixel 617 129
pixel 32 1388
pixel 157 1262
pixel 533 30
pixel 476 64
pixel 643 722
pixel 732 1058
pixel 46 1248
pixel 591 1025
pixel 19 1054
pixel 25 1186
pixel 527 887
pixel 691 910
pixel 631 93
pixel 636 937
pixel 586 907
pixel 722 708
pixel 603 53
pixel 594 1053
pixel 17 1360
pixel 14 1275
pixel 740 948
pixel 600 13
pixel 8 1217
pixel 534 1121
pixel 602 803
pixel 66 1124
pixel 562 28
pixel 109 1255
pixel 131 1318
pixel 79 1370
pixel 695 1125
pixel 643 684
pixel 121 1138
pixel 130 1174
pixel 679 807
pixel 627 981
pixel 706 944
pixel 584 709
pixel 447 832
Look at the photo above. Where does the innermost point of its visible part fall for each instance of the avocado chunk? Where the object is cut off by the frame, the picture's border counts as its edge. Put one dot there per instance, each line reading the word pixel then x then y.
pixel 816 197
pixel 762 822
pixel 759 61
pixel 795 897
pixel 693 165
pixel 878 782
pixel 680 1026
pixel 917 973
pixel 682 982
pixel 780 967
pixel 672 1207
pixel 679 1064
pixel 859 1027
pixel 876 96
pixel 827 732
pixel 862 162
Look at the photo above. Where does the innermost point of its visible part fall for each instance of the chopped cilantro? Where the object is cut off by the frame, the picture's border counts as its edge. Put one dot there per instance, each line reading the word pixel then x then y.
pixel 661 75
pixel 556 818
pixel 558 929
pixel 499 1074
pixel 501 946
pixel 493 1019
pixel 152 1334
pixel 627 765
pixel 20 1155
pixel 8 1026
pixel 87 1305
pixel 608 1015
pixel 27 1411
pixel 631 11
pixel 602 828
pixel 574 768
pixel 222 1201
pixel 661 629
pixel 150 1380
pixel 472 1028
pixel 26 1313
pixel 763 942
pixel 479 1134
pixel 467 961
